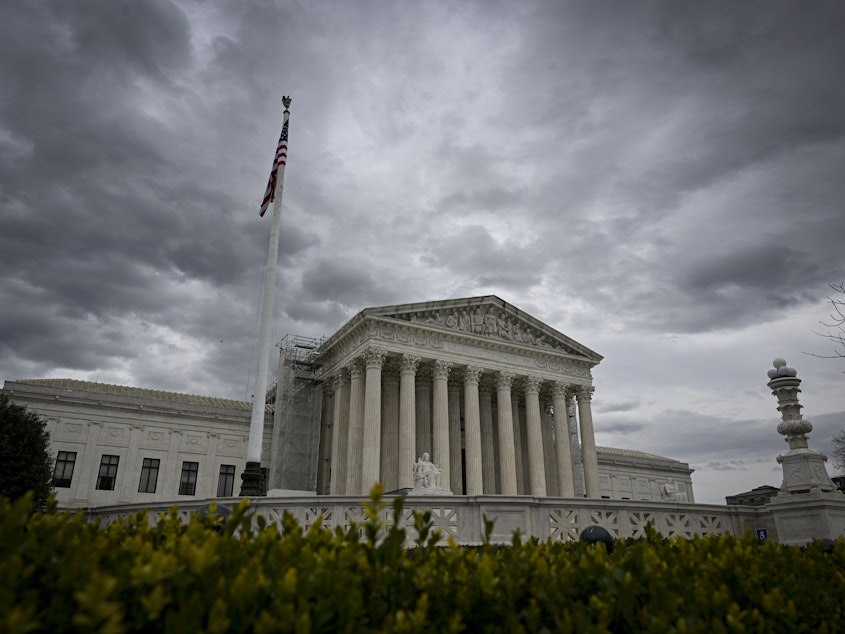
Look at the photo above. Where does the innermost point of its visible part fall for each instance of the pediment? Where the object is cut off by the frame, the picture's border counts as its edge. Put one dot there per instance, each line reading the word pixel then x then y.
pixel 487 317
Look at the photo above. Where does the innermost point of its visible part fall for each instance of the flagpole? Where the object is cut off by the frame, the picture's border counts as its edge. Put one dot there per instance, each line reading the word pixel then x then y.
pixel 252 477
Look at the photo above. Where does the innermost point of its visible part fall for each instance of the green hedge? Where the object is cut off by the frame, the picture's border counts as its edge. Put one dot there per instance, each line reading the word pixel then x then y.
pixel 59 572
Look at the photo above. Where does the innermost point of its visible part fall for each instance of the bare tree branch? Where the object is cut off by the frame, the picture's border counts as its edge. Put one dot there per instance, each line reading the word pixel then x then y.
pixel 835 325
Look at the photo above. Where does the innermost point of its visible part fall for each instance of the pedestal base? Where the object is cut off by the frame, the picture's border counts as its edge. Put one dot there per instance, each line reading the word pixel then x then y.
pixel 252 480
pixel 804 472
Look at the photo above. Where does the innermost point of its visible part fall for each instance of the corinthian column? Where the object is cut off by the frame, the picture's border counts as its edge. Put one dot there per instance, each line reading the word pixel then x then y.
pixel 423 410
pixel 370 474
pixel 588 442
pixel 536 466
pixel 472 432
pixel 407 420
pixel 390 431
pixel 562 444
pixel 440 421
pixel 455 462
pixel 488 450
pixel 356 430
pixel 507 451
pixel 340 433
pixel 326 426
pixel 521 487
pixel 549 455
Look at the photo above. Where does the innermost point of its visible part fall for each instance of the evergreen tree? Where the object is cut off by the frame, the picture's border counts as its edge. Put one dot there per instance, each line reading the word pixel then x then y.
pixel 25 462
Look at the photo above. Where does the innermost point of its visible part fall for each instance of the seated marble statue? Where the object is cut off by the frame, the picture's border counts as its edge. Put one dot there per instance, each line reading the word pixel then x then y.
pixel 426 474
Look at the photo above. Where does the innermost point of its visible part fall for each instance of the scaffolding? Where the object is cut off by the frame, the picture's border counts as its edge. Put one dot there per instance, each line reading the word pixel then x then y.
pixel 297 418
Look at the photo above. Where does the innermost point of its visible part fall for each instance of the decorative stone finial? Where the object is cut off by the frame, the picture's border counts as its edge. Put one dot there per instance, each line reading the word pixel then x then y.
pixel 803 468
pixel 286 101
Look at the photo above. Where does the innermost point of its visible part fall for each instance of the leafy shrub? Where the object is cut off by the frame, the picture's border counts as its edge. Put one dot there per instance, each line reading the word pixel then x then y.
pixel 63 573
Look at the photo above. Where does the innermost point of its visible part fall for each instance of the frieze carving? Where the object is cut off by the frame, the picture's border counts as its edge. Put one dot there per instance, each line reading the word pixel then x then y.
pixel 485 321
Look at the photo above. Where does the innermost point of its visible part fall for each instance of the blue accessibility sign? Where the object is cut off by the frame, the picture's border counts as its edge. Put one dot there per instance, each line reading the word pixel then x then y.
pixel 762 534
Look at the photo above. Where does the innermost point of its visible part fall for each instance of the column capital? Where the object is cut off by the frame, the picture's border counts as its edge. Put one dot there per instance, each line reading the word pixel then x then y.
pixel 410 363
pixel 504 380
pixel 341 379
pixel 356 369
pixel 472 374
pixel 532 384
pixel 584 392
pixel 374 358
pixel 441 369
pixel 560 389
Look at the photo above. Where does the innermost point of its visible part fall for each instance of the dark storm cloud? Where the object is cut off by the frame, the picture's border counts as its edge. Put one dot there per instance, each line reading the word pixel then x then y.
pixel 349 283
pixel 645 168
pixel 487 262
pixel 607 408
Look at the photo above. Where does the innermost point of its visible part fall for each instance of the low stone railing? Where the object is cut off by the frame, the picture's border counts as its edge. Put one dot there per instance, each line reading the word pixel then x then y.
pixel 462 517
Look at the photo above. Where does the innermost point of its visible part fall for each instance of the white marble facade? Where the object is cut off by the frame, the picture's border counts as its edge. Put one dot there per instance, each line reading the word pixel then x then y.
pixel 478 384
pixel 115 444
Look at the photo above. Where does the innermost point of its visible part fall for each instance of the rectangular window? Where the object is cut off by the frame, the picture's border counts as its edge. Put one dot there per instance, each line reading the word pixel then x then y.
pixel 108 473
pixel 226 482
pixel 149 475
pixel 63 473
pixel 188 481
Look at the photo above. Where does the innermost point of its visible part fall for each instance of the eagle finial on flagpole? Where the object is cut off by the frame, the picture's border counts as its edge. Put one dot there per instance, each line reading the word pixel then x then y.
pixel 286 102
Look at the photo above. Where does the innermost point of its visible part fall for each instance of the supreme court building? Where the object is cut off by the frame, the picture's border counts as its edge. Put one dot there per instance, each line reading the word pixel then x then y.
pixel 499 400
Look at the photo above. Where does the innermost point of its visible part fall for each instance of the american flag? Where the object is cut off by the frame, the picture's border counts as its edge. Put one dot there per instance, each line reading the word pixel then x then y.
pixel 281 157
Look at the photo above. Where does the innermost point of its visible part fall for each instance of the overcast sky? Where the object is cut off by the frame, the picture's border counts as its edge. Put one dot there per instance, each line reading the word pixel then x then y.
pixel 661 181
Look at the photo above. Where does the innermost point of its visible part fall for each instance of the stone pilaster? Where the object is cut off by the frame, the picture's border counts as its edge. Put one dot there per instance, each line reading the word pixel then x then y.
pixel 488 451
pixel 173 466
pixel 563 449
pixel 88 464
pixel 537 469
pixel 355 451
pixel 455 459
pixel 209 471
pixel 507 451
pixel 472 432
pixel 440 421
pixel 370 474
pixel 340 433
pixel 407 420
pixel 589 456
pixel 129 485
pixel 390 431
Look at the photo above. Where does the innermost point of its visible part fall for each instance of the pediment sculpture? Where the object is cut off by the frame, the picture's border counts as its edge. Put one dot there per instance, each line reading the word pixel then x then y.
pixel 486 321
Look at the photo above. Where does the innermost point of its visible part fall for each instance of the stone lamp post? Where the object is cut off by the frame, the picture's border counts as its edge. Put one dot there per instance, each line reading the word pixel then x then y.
pixel 803 468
